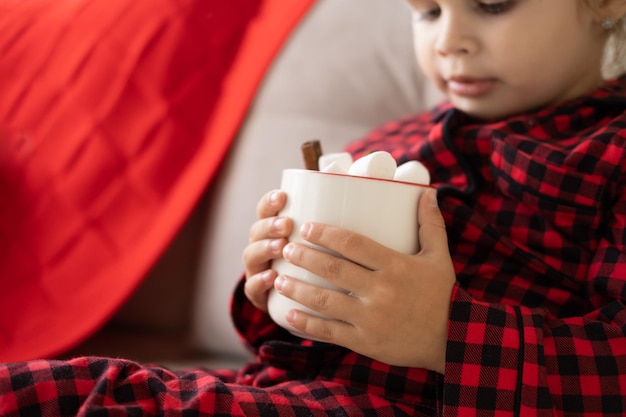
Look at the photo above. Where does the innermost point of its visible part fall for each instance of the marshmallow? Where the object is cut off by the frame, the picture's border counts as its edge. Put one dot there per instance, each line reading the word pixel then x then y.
pixel 335 167
pixel 412 171
pixel 375 165
pixel 343 160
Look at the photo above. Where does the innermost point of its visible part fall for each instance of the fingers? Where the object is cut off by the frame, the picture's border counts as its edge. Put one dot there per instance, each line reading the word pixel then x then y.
pixel 268 235
pixel 353 246
pixel 334 304
pixel 257 255
pixel 269 225
pixel 341 272
pixel 267 238
pixel 270 204
pixel 257 286
pixel 432 228
pixel 270 228
pixel 331 331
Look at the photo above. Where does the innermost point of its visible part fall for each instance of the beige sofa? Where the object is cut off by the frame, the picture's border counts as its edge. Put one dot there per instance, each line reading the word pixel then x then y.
pixel 348 67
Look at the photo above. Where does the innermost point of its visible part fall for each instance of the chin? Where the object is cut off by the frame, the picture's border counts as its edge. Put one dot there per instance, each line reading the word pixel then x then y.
pixel 486 113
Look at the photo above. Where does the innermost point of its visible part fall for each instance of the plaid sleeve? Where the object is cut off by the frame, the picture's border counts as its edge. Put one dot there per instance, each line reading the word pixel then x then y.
pixel 511 360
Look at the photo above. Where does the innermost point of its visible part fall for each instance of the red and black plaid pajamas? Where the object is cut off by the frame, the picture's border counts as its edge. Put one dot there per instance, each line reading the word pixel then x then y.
pixel 535 208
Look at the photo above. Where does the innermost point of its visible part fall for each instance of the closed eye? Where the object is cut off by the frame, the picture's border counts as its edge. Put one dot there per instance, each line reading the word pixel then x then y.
pixel 495 8
pixel 430 14
pixel 424 10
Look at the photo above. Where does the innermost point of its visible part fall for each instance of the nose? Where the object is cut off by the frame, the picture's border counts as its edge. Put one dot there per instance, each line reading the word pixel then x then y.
pixel 455 36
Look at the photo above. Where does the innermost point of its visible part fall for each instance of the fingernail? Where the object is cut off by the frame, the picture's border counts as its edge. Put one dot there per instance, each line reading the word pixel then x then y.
pixel 266 276
pixel 290 316
pixel 432 198
pixel 274 197
pixel 279 224
pixel 279 283
pixel 305 230
pixel 288 250
pixel 275 245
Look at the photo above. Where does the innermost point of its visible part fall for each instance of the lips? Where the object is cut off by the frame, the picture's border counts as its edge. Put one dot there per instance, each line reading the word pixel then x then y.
pixel 470 87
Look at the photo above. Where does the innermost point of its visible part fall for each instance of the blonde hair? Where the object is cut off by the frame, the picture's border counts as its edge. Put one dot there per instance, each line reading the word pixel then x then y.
pixel 615 51
pixel 614 63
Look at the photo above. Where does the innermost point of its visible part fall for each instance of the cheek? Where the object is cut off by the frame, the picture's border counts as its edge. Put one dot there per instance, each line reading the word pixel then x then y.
pixel 421 45
pixel 522 64
pixel 514 60
pixel 426 59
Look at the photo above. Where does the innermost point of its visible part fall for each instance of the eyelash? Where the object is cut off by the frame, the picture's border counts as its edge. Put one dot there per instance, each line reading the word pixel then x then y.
pixel 496 8
pixel 487 8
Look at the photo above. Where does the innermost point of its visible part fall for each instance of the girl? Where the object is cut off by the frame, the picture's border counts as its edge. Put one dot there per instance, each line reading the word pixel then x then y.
pixel 515 304
pixel 528 159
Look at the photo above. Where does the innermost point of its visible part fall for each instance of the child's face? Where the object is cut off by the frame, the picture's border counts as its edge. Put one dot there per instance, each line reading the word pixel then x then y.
pixel 495 58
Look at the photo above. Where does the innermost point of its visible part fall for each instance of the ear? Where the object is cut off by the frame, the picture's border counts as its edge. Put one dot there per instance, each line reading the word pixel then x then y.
pixel 614 10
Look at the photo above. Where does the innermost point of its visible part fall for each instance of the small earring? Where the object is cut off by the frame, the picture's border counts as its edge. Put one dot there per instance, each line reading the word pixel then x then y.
pixel 607 23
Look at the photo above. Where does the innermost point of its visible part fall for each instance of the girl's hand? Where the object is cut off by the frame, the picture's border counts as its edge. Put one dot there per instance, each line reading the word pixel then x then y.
pixel 267 238
pixel 397 308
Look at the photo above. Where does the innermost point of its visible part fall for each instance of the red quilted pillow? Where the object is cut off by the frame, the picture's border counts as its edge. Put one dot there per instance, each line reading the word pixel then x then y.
pixel 114 117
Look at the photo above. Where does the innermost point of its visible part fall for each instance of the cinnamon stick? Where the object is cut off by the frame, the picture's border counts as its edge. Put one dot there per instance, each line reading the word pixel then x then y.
pixel 311 152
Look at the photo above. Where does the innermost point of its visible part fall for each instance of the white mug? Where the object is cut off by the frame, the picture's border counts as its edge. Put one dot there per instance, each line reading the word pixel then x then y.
pixel 383 210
